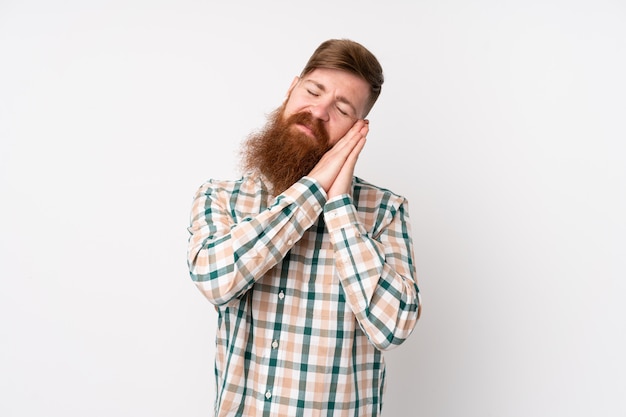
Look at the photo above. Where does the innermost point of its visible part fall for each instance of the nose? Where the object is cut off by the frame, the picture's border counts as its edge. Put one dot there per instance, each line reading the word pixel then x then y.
pixel 320 111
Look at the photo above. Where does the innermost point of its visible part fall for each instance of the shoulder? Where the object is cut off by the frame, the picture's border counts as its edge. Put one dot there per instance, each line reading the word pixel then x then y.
pixel 239 197
pixel 377 207
pixel 247 184
pixel 368 194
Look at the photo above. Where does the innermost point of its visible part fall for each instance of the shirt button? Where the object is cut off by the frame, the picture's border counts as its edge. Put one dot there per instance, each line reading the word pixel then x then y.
pixel 281 295
pixel 275 344
pixel 268 394
pixel 290 242
pixel 316 207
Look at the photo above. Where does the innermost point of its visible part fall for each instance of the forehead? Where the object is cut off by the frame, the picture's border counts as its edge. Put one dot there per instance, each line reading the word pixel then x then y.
pixel 342 84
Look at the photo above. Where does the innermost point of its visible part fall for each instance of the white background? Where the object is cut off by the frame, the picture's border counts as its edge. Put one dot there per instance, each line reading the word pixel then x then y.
pixel 502 122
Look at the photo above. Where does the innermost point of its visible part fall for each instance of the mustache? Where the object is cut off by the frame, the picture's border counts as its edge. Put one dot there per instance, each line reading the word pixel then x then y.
pixel 314 124
pixel 281 152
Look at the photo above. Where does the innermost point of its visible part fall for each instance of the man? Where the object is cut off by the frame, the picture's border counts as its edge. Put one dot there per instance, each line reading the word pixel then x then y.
pixel 311 269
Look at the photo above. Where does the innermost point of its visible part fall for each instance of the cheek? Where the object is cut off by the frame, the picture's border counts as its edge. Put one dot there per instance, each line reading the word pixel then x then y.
pixel 294 103
pixel 338 131
pixel 287 110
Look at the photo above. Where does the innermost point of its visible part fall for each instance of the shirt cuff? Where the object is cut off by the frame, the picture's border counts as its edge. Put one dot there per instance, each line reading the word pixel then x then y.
pixel 340 213
pixel 308 194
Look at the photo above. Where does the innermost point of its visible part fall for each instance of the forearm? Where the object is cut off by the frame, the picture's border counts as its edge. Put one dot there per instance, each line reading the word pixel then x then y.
pixel 377 273
pixel 227 254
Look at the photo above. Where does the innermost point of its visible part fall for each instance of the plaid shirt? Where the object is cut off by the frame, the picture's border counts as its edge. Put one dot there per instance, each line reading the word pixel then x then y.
pixel 308 293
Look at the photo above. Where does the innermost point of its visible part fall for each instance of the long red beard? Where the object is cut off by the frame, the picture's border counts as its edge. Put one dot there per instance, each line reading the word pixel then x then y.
pixel 282 152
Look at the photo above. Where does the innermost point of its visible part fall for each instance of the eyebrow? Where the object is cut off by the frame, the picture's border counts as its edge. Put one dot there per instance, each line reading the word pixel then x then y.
pixel 340 99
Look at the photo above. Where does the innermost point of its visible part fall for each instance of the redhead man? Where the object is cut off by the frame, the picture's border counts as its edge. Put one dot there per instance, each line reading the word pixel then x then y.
pixel 311 269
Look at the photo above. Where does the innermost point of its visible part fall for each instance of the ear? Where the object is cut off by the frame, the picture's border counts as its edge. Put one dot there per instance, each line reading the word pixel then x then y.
pixel 293 84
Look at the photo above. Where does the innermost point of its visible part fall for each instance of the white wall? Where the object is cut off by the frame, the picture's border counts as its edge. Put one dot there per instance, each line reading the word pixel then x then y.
pixel 501 121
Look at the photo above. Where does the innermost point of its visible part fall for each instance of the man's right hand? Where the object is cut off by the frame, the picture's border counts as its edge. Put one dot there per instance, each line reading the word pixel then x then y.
pixel 336 168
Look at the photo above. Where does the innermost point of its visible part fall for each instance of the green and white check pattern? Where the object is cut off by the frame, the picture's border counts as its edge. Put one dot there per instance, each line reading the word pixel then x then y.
pixel 309 293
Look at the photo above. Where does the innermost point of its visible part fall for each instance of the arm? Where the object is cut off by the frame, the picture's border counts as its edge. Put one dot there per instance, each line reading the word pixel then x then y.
pixel 377 272
pixel 226 255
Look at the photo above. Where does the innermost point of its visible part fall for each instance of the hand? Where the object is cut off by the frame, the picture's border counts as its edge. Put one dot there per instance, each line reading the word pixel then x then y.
pixel 336 168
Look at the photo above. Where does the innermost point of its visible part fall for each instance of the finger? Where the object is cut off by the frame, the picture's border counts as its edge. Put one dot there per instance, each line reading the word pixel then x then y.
pixel 357 129
pixel 356 151
pixel 350 139
pixel 333 161
pixel 343 181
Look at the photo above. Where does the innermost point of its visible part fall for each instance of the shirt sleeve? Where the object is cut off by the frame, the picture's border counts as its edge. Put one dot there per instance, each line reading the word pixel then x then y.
pixel 377 273
pixel 227 256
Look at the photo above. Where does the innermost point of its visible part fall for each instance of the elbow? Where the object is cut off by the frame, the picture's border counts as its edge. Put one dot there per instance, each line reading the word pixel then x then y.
pixel 390 333
pixel 216 294
pixel 217 298
pixel 388 341
pixel 217 285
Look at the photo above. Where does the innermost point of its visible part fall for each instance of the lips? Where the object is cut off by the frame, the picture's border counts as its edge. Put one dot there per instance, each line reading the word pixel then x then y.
pixel 311 127
pixel 306 129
